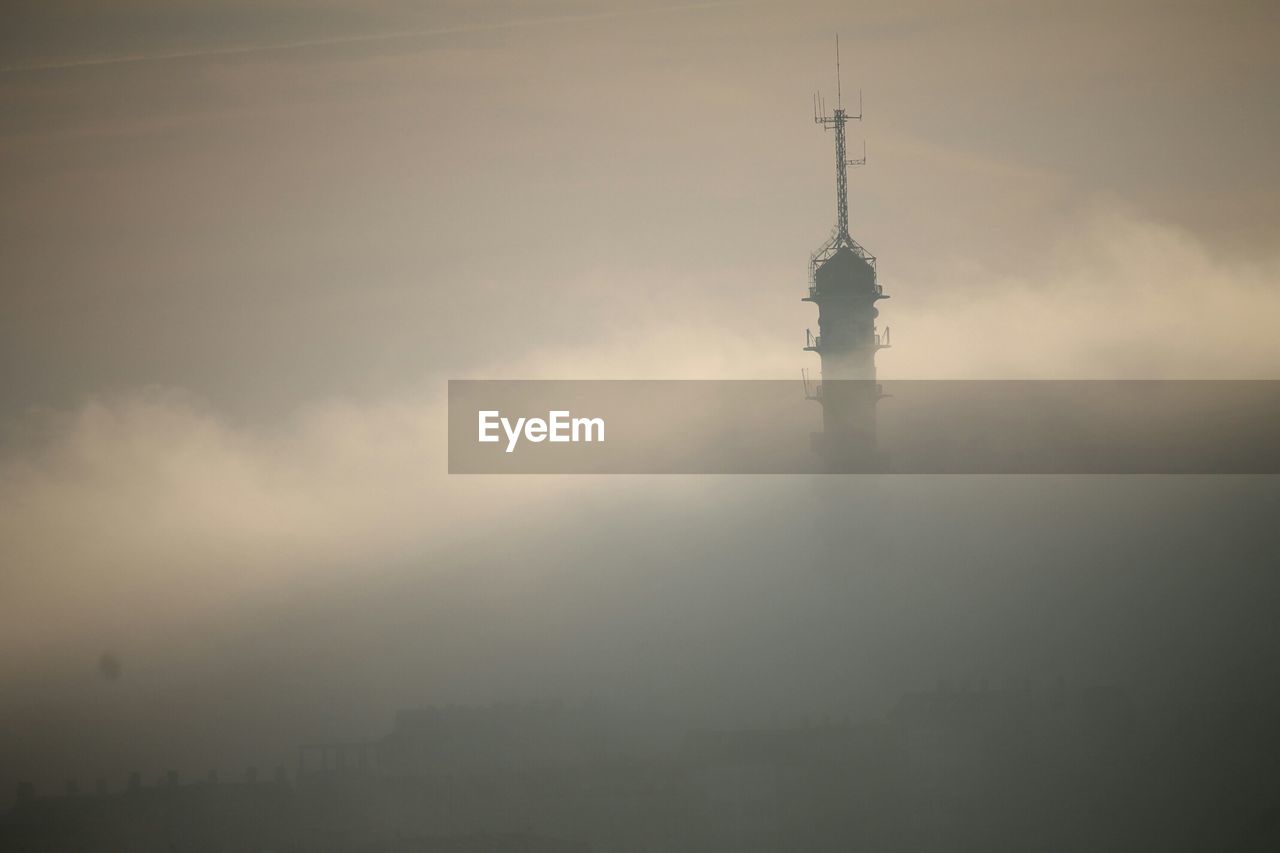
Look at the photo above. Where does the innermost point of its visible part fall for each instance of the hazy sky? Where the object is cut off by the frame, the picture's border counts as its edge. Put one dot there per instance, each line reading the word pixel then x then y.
pixel 245 243
pixel 261 227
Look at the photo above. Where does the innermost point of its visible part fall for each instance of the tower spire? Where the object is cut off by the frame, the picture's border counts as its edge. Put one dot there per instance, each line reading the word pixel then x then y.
pixel 836 121
pixel 839 96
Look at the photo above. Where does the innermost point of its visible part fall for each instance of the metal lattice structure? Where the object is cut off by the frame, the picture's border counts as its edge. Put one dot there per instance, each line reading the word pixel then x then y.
pixel 836 120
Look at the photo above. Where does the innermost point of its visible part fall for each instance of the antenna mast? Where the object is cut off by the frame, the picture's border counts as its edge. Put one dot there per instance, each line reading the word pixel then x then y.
pixel 836 120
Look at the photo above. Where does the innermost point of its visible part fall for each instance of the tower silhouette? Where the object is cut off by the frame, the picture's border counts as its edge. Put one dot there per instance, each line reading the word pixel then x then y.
pixel 842 283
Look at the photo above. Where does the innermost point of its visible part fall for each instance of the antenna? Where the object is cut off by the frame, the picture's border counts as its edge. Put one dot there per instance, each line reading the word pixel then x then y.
pixel 861 161
pixel 836 120
pixel 839 96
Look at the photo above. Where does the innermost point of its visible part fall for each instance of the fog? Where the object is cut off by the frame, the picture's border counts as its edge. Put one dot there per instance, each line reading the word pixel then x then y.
pixel 245 245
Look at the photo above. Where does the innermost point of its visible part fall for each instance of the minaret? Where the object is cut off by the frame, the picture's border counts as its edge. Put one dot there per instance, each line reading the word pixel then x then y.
pixel 842 283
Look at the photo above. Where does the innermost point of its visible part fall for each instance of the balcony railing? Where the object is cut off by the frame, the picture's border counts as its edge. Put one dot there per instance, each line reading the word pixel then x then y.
pixel 813 291
pixel 813 343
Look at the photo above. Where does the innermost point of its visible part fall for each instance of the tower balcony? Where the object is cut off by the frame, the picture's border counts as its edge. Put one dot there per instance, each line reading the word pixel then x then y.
pixel 813 390
pixel 813 343
pixel 877 292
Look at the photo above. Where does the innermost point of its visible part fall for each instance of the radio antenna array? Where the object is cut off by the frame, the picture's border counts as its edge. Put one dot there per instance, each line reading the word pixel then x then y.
pixel 836 120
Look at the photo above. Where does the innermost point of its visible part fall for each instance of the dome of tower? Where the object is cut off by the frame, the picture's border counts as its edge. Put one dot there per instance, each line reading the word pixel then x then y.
pixel 845 272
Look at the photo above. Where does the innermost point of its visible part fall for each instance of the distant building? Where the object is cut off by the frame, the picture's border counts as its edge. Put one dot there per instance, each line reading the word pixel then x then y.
pixel 842 283
pixel 946 769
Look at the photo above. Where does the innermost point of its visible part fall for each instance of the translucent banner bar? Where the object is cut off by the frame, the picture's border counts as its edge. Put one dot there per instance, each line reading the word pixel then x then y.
pixel 851 427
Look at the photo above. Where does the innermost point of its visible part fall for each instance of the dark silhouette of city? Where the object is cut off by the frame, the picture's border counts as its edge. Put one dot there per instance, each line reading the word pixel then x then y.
pixel 961 767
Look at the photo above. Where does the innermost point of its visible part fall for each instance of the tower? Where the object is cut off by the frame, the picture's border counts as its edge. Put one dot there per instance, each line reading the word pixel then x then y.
pixel 842 283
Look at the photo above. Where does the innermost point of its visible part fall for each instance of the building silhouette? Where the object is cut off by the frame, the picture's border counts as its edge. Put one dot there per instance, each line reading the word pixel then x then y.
pixel 959 768
pixel 842 283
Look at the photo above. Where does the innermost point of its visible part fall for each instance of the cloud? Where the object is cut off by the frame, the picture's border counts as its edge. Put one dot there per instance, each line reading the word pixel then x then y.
pixel 147 506
pixel 140 511
pixel 1117 297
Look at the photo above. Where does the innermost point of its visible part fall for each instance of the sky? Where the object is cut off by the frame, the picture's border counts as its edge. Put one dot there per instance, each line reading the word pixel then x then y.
pixel 244 245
